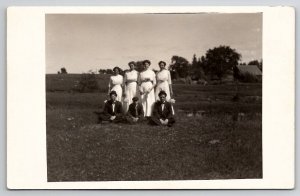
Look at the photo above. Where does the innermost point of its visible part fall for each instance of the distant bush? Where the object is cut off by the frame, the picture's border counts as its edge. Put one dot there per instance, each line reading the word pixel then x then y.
pixel 88 83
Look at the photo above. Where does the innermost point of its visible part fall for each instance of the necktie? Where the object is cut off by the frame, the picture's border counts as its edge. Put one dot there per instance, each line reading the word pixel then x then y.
pixel 113 107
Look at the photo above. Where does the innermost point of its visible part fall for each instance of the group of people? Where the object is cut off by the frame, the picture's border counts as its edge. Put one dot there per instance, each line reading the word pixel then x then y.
pixel 139 96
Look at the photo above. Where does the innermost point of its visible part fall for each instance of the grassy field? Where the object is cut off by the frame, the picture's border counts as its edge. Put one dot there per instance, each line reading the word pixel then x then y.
pixel 216 145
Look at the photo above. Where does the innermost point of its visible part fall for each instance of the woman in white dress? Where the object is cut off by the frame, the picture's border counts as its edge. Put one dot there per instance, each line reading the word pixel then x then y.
pixel 115 83
pixel 147 82
pixel 163 81
pixel 130 85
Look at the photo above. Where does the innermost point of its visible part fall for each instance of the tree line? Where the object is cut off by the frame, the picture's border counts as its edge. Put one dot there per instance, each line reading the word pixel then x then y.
pixel 217 62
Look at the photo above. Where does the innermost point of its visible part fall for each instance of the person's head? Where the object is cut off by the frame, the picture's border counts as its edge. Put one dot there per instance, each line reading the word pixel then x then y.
pixel 162 96
pixel 131 65
pixel 135 99
pixel 162 65
pixel 113 95
pixel 146 64
pixel 116 70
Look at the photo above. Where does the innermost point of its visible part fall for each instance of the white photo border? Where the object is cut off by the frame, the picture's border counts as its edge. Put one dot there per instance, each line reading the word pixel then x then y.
pixel 26 107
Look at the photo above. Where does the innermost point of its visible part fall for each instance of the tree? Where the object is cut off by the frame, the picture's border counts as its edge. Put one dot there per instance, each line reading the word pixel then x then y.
pixel 121 72
pixel 102 71
pixel 194 62
pixel 197 71
pixel 219 60
pixel 180 66
pixel 63 70
pixel 109 71
pixel 203 64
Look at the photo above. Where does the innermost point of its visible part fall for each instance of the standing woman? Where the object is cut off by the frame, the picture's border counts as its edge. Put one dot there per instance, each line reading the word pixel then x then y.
pixel 164 82
pixel 130 85
pixel 115 83
pixel 147 82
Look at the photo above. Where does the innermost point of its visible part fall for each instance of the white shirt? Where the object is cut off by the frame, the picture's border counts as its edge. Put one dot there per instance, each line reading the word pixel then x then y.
pixel 162 106
pixel 113 107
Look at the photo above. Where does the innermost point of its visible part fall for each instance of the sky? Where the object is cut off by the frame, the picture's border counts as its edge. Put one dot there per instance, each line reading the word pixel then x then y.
pixel 83 42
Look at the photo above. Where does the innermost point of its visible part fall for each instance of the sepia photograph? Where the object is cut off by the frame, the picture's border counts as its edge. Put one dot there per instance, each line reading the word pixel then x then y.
pixel 165 97
pixel 153 96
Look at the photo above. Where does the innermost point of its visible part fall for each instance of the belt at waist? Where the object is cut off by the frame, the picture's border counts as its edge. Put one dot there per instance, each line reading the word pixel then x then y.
pixel 130 81
pixel 147 81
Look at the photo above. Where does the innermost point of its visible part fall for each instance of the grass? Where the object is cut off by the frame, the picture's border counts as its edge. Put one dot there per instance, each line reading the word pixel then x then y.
pixel 213 146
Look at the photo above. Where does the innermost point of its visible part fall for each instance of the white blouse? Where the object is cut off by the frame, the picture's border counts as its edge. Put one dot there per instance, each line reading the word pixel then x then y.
pixel 147 75
pixel 131 76
pixel 163 76
pixel 115 80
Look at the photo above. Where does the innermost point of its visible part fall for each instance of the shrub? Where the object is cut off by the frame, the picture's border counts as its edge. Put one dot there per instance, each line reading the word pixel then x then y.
pixel 88 83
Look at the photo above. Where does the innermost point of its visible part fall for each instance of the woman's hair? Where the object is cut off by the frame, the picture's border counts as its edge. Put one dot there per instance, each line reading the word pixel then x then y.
pixel 131 63
pixel 163 62
pixel 146 61
pixel 118 68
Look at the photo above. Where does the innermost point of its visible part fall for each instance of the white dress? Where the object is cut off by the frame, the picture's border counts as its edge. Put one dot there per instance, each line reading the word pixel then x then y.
pixel 163 80
pixel 115 83
pixel 130 82
pixel 147 80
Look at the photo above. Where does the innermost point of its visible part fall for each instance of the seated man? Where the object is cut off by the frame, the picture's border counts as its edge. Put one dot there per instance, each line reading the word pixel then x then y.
pixel 162 111
pixel 135 112
pixel 112 111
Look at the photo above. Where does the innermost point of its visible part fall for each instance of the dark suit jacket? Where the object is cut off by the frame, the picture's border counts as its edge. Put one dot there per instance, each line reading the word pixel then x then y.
pixel 163 114
pixel 108 108
pixel 140 110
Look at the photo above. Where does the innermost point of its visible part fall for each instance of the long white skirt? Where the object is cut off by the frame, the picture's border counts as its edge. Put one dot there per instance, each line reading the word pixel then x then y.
pixel 162 86
pixel 147 99
pixel 118 90
pixel 130 91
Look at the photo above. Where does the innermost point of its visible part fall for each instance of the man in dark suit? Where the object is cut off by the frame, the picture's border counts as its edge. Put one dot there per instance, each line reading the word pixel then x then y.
pixel 135 112
pixel 162 111
pixel 112 111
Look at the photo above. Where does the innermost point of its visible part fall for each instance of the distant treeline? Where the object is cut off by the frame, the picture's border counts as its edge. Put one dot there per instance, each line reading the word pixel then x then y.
pixel 216 63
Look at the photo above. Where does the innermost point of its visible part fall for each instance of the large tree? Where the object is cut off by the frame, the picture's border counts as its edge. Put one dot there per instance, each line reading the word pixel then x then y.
pixel 219 60
pixel 180 66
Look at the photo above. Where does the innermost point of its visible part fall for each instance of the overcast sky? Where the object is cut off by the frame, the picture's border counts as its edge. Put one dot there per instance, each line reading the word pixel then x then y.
pixel 83 42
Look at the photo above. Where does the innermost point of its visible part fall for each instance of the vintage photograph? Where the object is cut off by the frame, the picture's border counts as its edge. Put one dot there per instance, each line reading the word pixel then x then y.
pixel 153 96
